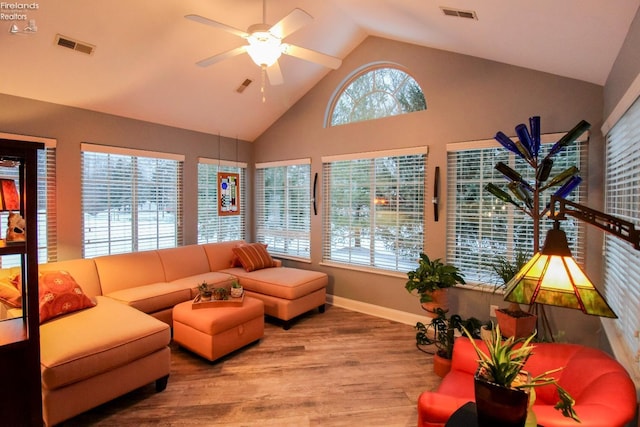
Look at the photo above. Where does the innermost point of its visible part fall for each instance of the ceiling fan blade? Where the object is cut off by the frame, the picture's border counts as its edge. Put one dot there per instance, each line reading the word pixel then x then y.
pixel 221 56
pixel 312 56
pixel 216 24
pixel 291 23
pixel 274 74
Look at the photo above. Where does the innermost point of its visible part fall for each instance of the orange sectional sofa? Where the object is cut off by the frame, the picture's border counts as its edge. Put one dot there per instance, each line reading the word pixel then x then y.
pixel 93 355
pixel 604 393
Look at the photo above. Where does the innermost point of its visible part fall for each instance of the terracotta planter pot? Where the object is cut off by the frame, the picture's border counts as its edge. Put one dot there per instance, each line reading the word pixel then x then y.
pixel 440 299
pixel 499 406
pixel 511 326
pixel 441 365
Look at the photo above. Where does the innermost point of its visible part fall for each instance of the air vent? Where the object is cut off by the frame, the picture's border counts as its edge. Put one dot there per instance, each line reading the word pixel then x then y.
pixel 244 85
pixel 74 45
pixel 468 14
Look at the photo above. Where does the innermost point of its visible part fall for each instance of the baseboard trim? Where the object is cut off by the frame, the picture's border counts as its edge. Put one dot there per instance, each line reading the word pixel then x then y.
pixel 377 311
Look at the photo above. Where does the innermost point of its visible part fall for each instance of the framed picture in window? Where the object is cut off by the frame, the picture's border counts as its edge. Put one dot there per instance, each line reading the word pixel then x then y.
pixel 228 193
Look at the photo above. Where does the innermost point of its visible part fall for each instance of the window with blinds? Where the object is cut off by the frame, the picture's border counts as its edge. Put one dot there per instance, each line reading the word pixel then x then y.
pixel 131 200
pixel 211 226
pixel 47 223
pixel 621 260
pixel 283 215
pixel 481 227
pixel 373 210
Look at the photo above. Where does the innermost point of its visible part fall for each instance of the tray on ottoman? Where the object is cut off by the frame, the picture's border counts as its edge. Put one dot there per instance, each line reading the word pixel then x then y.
pixel 230 302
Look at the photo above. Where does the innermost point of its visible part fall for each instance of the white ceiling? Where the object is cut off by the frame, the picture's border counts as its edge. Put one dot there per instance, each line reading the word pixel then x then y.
pixel 144 67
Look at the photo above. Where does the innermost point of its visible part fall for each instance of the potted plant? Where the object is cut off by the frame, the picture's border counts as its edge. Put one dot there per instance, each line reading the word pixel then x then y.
pixel 513 320
pixel 205 292
pixel 220 294
pixel 501 382
pixel 236 289
pixel 431 280
pixel 444 332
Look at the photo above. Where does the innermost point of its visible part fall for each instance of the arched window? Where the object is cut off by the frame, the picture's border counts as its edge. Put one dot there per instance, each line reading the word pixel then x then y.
pixel 375 92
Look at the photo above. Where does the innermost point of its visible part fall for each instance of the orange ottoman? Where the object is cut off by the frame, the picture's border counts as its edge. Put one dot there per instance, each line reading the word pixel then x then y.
pixel 217 331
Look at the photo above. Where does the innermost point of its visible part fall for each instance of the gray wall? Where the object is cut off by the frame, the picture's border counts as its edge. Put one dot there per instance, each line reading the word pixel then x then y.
pixel 73 126
pixel 467 99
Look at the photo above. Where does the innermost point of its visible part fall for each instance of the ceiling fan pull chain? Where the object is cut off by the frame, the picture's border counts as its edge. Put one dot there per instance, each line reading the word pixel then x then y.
pixel 263 73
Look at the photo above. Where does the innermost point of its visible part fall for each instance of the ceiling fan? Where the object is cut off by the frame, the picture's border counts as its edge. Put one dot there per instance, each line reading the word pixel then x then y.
pixel 265 43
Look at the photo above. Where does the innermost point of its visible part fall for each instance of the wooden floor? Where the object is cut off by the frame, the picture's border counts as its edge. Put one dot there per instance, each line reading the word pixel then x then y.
pixel 339 368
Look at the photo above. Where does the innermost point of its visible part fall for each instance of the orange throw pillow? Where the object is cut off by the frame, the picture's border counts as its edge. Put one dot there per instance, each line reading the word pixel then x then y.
pixel 11 291
pixel 60 294
pixel 254 256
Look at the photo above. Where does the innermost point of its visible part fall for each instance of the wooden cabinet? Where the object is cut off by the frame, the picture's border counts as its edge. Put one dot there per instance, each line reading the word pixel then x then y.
pixel 20 394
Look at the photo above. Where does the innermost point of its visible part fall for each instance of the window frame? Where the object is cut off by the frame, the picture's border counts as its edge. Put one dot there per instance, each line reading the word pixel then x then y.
pixel 138 240
pixel 208 203
pixel 293 229
pixel 401 264
pixel 360 73
pixel 482 278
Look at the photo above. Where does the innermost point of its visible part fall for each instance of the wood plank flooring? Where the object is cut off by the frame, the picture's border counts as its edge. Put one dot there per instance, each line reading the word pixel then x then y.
pixel 339 368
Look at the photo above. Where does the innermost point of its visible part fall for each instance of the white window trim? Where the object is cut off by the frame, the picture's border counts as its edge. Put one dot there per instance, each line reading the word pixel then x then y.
pixel 109 149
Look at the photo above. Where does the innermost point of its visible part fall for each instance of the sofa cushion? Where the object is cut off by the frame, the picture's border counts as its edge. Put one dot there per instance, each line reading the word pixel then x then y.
pixel 183 261
pixel 11 291
pixel 124 271
pixel 214 278
pixel 220 254
pixel 254 256
pixel 282 282
pixel 153 297
pixel 99 339
pixel 59 294
pixel 83 271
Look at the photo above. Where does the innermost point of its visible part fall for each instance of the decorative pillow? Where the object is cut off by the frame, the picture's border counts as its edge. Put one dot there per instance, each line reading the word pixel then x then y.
pixel 60 294
pixel 254 256
pixel 11 291
pixel 235 260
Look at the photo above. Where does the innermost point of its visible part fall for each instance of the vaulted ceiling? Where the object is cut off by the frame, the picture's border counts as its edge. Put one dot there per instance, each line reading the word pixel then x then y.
pixel 144 62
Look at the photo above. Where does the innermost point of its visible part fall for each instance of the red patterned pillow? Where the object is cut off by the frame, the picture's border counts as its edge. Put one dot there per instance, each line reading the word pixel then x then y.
pixel 11 291
pixel 60 294
pixel 235 260
pixel 254 256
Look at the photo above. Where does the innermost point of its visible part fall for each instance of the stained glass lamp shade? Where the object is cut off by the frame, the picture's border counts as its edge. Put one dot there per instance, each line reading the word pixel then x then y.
pixel 553 277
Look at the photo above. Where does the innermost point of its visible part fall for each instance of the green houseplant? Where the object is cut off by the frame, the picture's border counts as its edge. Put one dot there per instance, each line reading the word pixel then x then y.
pixel 441 332
pixel 513 320
pixel 500 378
pixel 430 281
pixel 205 291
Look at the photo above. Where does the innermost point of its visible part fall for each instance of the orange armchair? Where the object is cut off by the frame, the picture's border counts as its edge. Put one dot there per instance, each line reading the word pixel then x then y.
pixel 604 393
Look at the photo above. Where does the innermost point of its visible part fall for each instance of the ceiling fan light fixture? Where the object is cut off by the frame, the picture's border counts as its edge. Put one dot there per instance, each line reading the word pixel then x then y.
pixel 264 48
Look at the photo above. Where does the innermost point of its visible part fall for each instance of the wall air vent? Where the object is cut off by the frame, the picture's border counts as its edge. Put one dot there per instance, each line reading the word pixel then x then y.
pixel 244 85
pixel 468 14
pixel 69 43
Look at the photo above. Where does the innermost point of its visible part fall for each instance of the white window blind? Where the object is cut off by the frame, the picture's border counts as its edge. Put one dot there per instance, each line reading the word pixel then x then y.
pixel 211 226
pixel 373 210
pixel 283 214
pixel 621 260
pixel 480 227
pixel 47 222
pixel 131 200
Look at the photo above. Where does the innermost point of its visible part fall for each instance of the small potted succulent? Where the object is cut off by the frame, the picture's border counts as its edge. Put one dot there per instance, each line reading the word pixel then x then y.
pixel 236 289
pixel 431 281
pixel 220 294
pixel 501 382
pixel 205 292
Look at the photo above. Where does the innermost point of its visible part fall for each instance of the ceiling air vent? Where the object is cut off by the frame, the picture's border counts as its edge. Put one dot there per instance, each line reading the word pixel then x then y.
pixel 74 45
pixel 244 85
pixel 468 14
